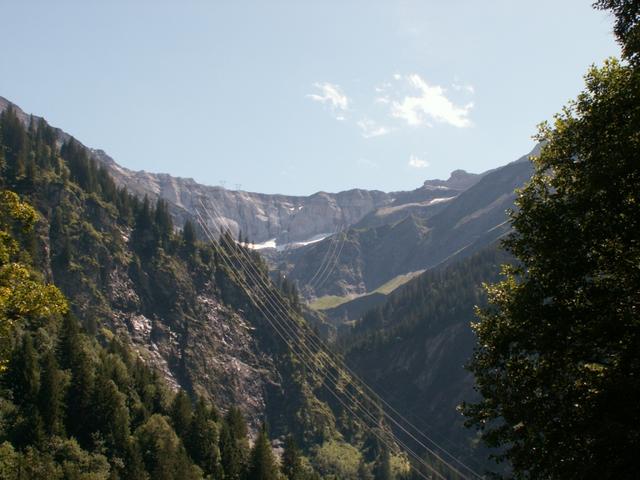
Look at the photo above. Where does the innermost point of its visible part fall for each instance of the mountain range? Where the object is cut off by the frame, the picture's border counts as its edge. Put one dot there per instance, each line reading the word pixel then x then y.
pixel 394 276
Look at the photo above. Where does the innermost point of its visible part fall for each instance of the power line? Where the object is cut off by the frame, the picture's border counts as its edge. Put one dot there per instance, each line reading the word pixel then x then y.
pixel 353 375
pixel 344 367
pixel 343 238
pixel 328 256
pixel 259 304
pixel 341 365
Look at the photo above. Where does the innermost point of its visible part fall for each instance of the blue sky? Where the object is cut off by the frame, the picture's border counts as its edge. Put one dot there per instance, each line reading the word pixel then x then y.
pixel 300 96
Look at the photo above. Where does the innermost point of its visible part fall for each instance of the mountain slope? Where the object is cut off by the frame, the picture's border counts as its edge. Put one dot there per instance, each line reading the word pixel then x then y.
pixel 369 254
pixel 188 313
pixel 413 348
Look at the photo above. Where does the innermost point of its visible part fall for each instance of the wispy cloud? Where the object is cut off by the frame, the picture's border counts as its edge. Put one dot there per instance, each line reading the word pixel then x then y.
pixel 333 97
pixel 429 105
pixel 464 87
pixel 417 162
pixel 372 129
pixel 398 101
pixel 365 162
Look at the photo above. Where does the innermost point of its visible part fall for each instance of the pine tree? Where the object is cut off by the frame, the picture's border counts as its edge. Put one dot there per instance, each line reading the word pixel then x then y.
pixel 233 445
pixel 164 455
pixel 24 373
pixel 382 469
pixel 292 460
pixel 202 442
pixel 110 413
pixel 133 462
pixel 181 413
pixel 51 395
pixel 189 236
pixel 143 238
pixel 163 223
pixel 262 464
pixel 15 141
pixel 79 416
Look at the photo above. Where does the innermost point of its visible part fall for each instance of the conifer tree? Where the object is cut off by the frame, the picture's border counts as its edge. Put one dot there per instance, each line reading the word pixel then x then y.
pixel 143 238
pixel 51 395
pixel 382 469
pixel 24 373
pixel 181 413
pixel 163 223
pixel 262 464
pixel 80 418
pixel 164 455
pixel 202 442
pixel 189 236
pixel 110 413
pixel 292 460
pixel 233 445
pixel 14 139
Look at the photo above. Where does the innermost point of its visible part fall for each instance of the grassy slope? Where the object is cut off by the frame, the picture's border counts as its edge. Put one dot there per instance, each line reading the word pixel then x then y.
pixel 332 301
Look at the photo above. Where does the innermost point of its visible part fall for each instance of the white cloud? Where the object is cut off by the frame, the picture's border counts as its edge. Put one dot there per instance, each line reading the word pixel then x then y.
pixel 332 96
pixel 371 129
pixel 416 162
pixel 431 103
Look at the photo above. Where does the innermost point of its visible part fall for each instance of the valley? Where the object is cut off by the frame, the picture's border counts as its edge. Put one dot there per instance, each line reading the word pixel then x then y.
pixel 381 249
pixel 320 241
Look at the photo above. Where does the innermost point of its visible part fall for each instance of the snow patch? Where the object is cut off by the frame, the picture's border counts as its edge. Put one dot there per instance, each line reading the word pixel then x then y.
pixel 439 200
pixel 261 246
pixel 314 239
pixel 285 246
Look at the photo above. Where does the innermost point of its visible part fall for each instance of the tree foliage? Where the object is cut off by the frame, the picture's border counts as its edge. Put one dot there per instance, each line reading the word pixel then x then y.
pixel 262 463
pixel 627 25
pixel 68 387
pixel 292 460
pixel 557 362
pixel 22 295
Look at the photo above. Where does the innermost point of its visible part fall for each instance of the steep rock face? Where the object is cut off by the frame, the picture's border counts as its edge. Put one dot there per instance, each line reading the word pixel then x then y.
pixel 371 236
pixel 214 353
pixel 285 220
pixel 395 240
pixel 259 216
pixel 186 311
pixel 424 202
pixel 170 311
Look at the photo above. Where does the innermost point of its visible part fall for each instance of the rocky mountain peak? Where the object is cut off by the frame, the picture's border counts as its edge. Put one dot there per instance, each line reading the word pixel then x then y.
pixel 458 180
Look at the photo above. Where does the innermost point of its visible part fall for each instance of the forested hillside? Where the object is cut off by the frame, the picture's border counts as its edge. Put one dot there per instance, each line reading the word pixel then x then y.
pixel 118 372
pixel 413 349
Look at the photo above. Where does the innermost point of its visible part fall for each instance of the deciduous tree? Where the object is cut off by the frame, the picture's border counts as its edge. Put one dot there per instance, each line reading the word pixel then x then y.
pixel 558 357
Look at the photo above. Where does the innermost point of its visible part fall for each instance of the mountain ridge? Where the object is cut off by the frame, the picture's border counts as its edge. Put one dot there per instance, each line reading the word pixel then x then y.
pixel 260 217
